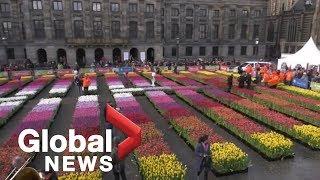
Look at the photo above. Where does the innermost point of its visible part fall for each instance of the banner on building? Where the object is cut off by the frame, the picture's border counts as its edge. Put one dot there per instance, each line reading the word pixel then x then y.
pixel 126 56
pixel 143 56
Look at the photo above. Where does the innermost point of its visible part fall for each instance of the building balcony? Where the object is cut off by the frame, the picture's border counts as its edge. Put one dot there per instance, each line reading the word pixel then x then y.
pixel 96 41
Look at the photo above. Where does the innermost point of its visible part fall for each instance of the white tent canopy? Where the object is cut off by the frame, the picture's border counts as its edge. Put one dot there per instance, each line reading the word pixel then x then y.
pixel 308 54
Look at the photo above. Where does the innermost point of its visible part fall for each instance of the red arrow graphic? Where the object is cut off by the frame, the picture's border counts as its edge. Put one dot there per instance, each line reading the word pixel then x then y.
pixel 131 130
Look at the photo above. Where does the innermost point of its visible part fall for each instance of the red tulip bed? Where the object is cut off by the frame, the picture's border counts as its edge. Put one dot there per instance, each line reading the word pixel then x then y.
pixel 40 117
pixel 281 105
pixel 32 89
pixel 227 157
pixel 165 82
pixel 275 103
pixel 306 102
pixel 12 86
pixel 86 122
pixel 272 145
pixel 155 159
pixel 307 134
pixel 181 79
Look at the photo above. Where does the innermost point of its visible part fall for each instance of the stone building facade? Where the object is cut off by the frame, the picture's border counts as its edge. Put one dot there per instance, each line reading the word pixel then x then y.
pixel 84 30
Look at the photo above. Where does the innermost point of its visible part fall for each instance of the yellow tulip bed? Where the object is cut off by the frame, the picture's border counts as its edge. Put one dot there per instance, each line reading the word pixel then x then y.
pixel 163 167
pixel 3 80
pixel 227 156
pixel 300 91
pixel 273 143
pixel 95 175
pixel 310 133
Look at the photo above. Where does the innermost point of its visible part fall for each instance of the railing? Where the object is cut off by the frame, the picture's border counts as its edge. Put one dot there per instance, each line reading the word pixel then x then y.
pixel 15 171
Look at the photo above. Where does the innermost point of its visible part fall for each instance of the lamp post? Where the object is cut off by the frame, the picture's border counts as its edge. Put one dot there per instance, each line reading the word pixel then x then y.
pixel 178 42
pixel 4 41
pixel 257 45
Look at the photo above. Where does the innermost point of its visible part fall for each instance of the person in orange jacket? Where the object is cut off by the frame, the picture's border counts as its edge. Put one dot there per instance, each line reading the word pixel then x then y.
pixel 86 81
pixel 289 77
pixel 249 69
pixel 282 76
pixel 274 79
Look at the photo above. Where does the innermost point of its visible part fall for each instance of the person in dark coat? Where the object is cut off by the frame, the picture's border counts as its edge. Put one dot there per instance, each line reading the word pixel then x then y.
pixel 203 156
pixel 241 80
pixel 78 81
pixel 118 165
pixel 230 82
pixel 248 80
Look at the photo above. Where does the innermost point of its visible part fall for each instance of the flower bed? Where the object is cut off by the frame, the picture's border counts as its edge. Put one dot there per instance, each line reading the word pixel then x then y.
pixel 300 91
pixel 32 89
pixel 249 131
pixel 14 98
pixel 281 105
pixel 12 86
pixel 191 128
pixel 7 109
pixel 137 80
pixel 3 81
pixel 61 87
pixel 38 118
pixel 306 102
pixel 85 122
pixel 181 79
pixel 113 81
pixel 162 81
pixel 155 159
pixel 263 114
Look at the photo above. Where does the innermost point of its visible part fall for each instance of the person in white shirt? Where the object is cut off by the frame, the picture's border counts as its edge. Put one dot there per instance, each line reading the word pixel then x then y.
pixel 153 80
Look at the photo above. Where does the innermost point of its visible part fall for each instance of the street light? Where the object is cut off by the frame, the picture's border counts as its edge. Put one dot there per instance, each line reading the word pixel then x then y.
pixel 257 41
pixel 4 40
pixel 178 41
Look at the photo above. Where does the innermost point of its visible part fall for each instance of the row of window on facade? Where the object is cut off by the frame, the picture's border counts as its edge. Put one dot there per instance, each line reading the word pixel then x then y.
pixel 59 28
pixel 215 51
pixel 203 31
pixel 132 8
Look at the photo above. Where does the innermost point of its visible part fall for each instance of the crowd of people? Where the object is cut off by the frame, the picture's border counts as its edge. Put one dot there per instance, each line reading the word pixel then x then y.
pixel 271 77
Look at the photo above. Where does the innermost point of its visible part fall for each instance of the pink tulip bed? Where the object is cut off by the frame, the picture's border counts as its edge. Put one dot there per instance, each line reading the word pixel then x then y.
pixel 86 122
pixel 40 117
pixel 32 89
pixel 153 147
pixel 61 87
pixel 8 109
pixel 307 134
pixel 243 127
pixel 12 86
pixel 137 80
pixel 113 81
pixel 191 128
pixel 93 88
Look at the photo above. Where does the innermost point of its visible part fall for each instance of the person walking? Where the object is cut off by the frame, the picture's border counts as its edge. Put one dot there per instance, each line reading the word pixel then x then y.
pixel 86 83
pixel 118 165
pixel 153 80
pixel 203 156
pixel 230 82
pixel 78 81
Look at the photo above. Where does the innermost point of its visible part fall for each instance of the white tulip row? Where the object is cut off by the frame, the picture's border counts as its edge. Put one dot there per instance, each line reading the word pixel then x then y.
pixel 88 98
pixel 14 98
